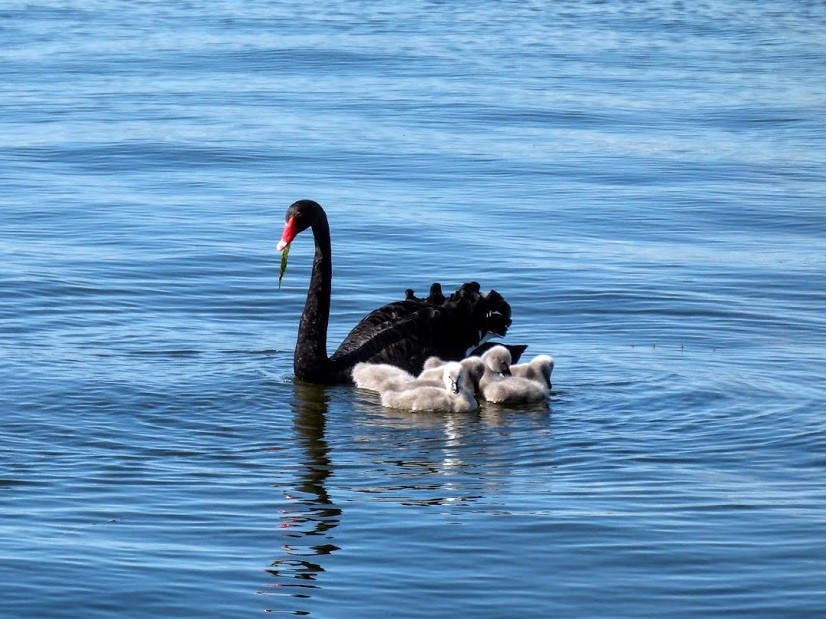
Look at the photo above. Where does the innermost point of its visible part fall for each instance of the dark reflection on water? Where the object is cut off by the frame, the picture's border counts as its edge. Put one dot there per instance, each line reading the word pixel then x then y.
pixel 309 522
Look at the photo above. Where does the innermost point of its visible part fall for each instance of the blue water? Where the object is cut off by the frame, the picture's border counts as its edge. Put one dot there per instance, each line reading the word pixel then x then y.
pixel 645 182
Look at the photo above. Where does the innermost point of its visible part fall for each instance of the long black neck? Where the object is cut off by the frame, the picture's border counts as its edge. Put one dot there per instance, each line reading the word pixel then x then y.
pixel 311 362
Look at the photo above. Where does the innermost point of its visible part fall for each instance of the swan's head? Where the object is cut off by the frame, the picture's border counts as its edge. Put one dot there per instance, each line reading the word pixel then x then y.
pixel 454 373
pixel 300 216
pixel 498 360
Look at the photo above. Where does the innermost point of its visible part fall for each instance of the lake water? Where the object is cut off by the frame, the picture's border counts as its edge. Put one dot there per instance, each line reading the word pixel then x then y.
pixel 645 182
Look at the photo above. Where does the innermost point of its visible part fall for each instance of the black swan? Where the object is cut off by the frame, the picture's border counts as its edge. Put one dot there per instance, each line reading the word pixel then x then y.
pixel 403 333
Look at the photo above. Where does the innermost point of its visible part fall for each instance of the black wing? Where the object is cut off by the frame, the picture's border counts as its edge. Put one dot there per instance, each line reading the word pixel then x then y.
pixel 405 333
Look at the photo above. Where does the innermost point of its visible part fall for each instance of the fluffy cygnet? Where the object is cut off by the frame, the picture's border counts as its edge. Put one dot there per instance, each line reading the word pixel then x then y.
pixel 474 368
pixel 453 396
pixel 515 390
pixel 496 364
pixel 379 376
pixel 500 386
pixel 539 369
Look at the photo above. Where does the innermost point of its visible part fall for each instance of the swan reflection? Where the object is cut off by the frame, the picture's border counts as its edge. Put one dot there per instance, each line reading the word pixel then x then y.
pixel 307 524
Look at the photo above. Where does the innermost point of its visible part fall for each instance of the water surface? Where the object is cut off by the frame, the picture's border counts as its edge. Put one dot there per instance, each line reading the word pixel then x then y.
pixel 643 182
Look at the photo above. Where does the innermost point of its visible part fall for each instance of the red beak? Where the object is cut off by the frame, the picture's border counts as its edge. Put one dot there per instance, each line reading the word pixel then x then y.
pixel 288 235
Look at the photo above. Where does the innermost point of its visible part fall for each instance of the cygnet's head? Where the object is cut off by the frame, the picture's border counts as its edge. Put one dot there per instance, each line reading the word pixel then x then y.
pixel 498 360
pixel 546 367
pixel 432 362
pixel 474 369
pixel 453 375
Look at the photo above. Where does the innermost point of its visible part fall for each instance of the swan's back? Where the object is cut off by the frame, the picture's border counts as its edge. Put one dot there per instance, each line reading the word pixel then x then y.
pixel 405 333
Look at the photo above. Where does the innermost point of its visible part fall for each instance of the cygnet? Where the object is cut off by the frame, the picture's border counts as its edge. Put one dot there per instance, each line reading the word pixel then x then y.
pixel 453 396
pixel 515 390
pixel 474 368
pixel 497 366
pixel 500 386
pixel 379 376
pixel 539 369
